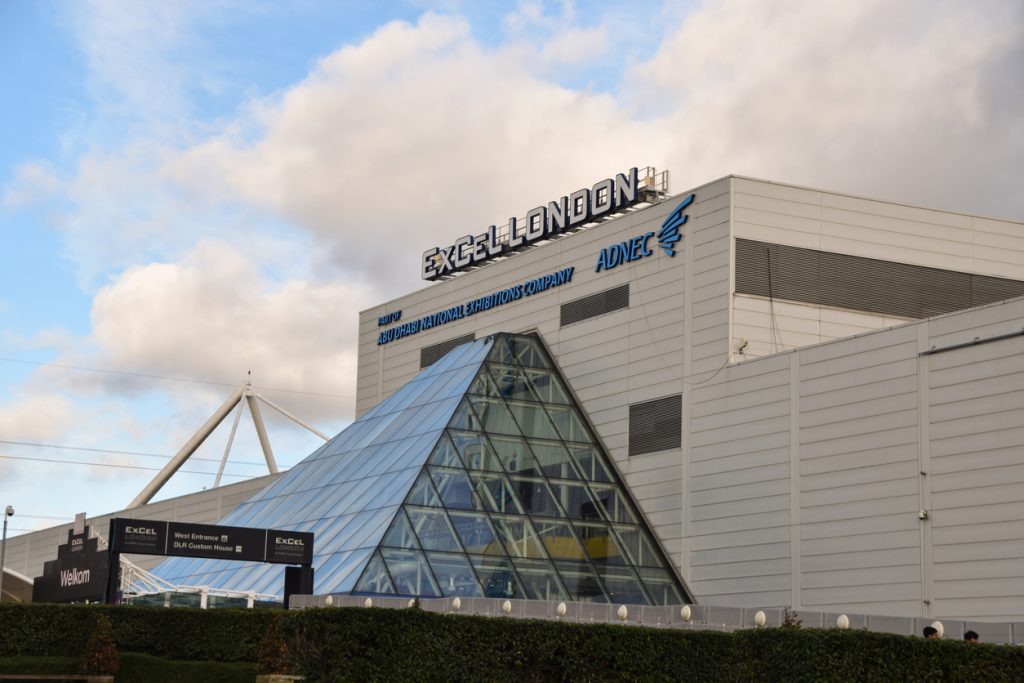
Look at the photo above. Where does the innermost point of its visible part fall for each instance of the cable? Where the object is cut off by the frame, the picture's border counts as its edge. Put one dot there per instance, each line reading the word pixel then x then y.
pixel 108 464
pixel 170 379
pixel 116 452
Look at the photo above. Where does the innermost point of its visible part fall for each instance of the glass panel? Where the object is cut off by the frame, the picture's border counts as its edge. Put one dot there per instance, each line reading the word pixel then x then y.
pixel 547 385
pixel 554 459
pixel 591 462
pixel 536 497
pixel 455 488
pixel 444 453
pixel 408 569
pixel 433 529
pixel 569 423
pixel 515 455
pixel 601 544
pixel 533 420
pixel 581 582
pixel 476 451
pixel 484 385
pixel 576 500
pixel 518 535
pixel 500 352
pixel 512 382
pixel 400 535
pixel 454 574
pixel 375 578
pixel 622 585
pixel 497 577
pixel 559 540
pixel 476 533
pixel 423 493
pixel 662 586
pixel 540 582
pixel 527 351
pixel 615 504
pixel 638 546
pixel 497 494
pixel 494 415
pixel 464 418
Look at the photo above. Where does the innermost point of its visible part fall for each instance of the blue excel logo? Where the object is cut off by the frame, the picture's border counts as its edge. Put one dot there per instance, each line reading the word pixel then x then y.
pixel 638 247
pixel 669 233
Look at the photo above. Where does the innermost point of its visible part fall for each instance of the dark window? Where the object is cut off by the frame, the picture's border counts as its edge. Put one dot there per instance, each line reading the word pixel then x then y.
pixel 656 425
pixel 596 304
pixel 431 354
pixel 862 284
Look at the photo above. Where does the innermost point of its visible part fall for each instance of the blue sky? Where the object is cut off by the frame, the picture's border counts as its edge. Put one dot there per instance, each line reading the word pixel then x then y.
pixel 192 190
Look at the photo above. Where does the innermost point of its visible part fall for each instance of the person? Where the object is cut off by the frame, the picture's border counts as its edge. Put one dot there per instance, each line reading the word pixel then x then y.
pixel 931 633
pixel 970 637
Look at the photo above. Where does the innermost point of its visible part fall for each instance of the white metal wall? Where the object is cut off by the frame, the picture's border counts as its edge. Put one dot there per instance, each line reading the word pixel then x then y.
pixel 811 469
pixel 828 221
pixel 676 325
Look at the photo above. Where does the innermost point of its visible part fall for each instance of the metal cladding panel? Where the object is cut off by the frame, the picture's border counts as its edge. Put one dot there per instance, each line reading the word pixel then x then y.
pixel 431 354
pixel 656 425
pixel 594 305
pixel 863 284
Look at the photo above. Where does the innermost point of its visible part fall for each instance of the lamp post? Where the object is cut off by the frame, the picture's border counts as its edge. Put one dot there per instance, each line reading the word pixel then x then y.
pixel 9 512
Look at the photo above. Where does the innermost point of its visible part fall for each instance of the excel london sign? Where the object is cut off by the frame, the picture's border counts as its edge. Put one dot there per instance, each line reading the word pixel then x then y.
pixel 584 205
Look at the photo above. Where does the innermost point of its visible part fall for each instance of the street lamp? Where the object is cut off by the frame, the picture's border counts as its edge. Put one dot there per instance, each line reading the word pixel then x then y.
pixel 9 512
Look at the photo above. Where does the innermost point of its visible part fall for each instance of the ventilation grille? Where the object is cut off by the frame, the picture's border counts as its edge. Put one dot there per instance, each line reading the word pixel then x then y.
pixel 433 353
pixel 596 304
pixel 863 284
pixel 656 425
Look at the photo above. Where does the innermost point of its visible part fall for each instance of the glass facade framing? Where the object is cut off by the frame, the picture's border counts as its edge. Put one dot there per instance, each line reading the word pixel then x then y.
pixel 480 477
pixel 518 500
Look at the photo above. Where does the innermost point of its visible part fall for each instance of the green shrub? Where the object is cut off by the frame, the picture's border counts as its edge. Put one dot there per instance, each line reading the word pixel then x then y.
pixel 100 656
pixel 357 644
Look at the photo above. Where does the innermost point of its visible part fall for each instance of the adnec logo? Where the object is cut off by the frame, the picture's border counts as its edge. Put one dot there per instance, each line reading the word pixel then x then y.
pixel 638 247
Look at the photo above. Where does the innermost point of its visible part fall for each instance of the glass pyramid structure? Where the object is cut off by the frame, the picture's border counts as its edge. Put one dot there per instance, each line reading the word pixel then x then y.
pixel 480 477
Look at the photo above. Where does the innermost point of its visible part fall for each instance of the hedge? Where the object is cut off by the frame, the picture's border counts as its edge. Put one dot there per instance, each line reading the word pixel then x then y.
pixel 185 634
pixel 358 644
pixel 139 668
pixel 353 644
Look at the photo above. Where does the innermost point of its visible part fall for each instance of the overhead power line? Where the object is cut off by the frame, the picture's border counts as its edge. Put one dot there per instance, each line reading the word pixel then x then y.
pixel 117 452
pixel 109 464
pixel 191 380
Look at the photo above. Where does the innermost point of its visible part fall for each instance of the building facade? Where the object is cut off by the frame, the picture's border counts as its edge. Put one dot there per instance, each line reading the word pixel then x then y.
pixel 817 401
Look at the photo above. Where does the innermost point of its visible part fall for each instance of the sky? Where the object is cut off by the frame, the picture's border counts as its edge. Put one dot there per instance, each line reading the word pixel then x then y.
pixel 191 191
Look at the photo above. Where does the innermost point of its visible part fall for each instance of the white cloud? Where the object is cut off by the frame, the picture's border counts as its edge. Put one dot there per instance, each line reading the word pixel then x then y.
pixel 913 101
pixel 412 138
pixel 215 315
pixel 33 181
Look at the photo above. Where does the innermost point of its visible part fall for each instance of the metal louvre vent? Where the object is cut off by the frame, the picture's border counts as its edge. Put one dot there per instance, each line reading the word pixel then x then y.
pixel 656 425
pixel 596 304
pixel 431 354
pixel 863 284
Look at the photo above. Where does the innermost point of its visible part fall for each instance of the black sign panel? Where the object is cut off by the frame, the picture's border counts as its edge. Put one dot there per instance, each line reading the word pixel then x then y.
pixel 147 537
pixel 79 573
pixel 218 542
pixel 142 536
pixel 289 547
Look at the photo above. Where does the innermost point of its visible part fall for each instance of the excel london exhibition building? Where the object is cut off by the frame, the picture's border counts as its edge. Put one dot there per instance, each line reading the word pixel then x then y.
pixel 747 394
